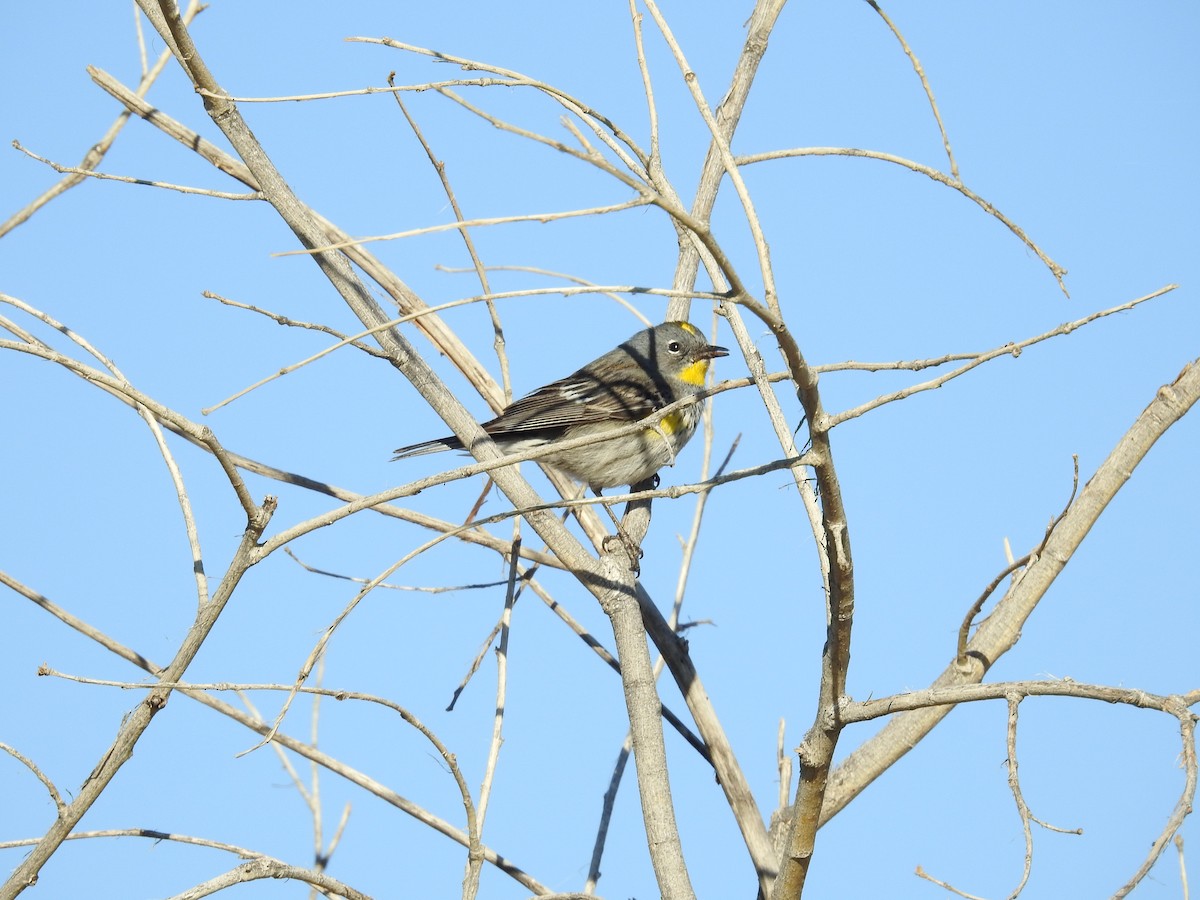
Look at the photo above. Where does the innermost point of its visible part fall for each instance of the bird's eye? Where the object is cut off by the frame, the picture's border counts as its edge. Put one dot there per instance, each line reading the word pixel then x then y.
pixel 674 346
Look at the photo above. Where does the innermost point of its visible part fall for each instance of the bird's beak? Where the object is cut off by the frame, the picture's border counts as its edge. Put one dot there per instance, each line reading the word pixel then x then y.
pixel 711 352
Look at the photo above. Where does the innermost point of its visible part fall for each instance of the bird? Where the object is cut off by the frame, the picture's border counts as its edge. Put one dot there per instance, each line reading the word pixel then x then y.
pixel 630 383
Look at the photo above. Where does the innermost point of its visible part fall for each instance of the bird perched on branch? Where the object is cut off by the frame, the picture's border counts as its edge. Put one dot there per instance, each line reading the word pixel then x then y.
pixel 631 383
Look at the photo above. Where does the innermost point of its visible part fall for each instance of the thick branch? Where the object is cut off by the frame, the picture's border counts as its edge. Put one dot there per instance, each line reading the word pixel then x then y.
pixel 1002 628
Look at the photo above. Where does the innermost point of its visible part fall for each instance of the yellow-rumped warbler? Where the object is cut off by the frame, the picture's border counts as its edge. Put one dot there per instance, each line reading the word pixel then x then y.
pixel 652 369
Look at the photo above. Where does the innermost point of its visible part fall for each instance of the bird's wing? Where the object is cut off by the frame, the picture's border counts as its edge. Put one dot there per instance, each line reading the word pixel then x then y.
pixel 577 399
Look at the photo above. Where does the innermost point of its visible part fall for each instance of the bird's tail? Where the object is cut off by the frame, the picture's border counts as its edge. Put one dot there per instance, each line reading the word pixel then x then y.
pixel 446 443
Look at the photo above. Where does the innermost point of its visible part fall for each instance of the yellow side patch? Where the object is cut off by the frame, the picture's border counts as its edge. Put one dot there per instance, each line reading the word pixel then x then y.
pixel 695 373
pixel 671 423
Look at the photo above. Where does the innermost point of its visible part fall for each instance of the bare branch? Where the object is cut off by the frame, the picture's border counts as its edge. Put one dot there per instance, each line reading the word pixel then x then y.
pixel 98 150
pixel 137 720
pixel 542 218
pixel 24 760
pixel 951 695
pixel 921 873
pixel 720 143
pixel 440 168
pixel 125 179
pixel 1014 784
pixel 123 390
pixel 432 326
pixel 964 630
pixel 608 292
pixel 1012 349
pixel 1002 628
pixel 576 107
pixel 728 115
pixel 370 90
pixel 916 64
pixel 1055 269
pixel 1183 808
pixel 265 867
pixel 475 857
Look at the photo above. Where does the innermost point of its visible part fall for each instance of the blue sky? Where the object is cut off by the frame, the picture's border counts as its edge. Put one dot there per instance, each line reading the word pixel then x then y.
pixel 1080 128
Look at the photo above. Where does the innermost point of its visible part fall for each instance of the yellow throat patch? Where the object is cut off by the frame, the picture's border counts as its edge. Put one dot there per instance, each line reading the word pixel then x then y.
pixel 695 373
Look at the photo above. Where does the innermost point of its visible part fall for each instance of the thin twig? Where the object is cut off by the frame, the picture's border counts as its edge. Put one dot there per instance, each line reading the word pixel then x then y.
pixel 318 649
pixel 127 179
pixel 921 873
pixel 28 763
pixel 370 90
pixel 256 724
pixel 536 270
pixel 97 151
pixel 655 157
pixel 511 593
pixel 135 723
pixel 1183 807
pixel 439 167
pixel 916 64
pixel 607 805
pixel 540 218
pixel 419 589
pixel 1014 785
pixel 165 415
pixel 856 711
pixel 617 140
pixel 148 833
pixel 150 417
pixel 929 172
pixel 289 322
pixel 1011 349
pixel 441 336
pixel 720 142
pixel 613 137
pixel 964 630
